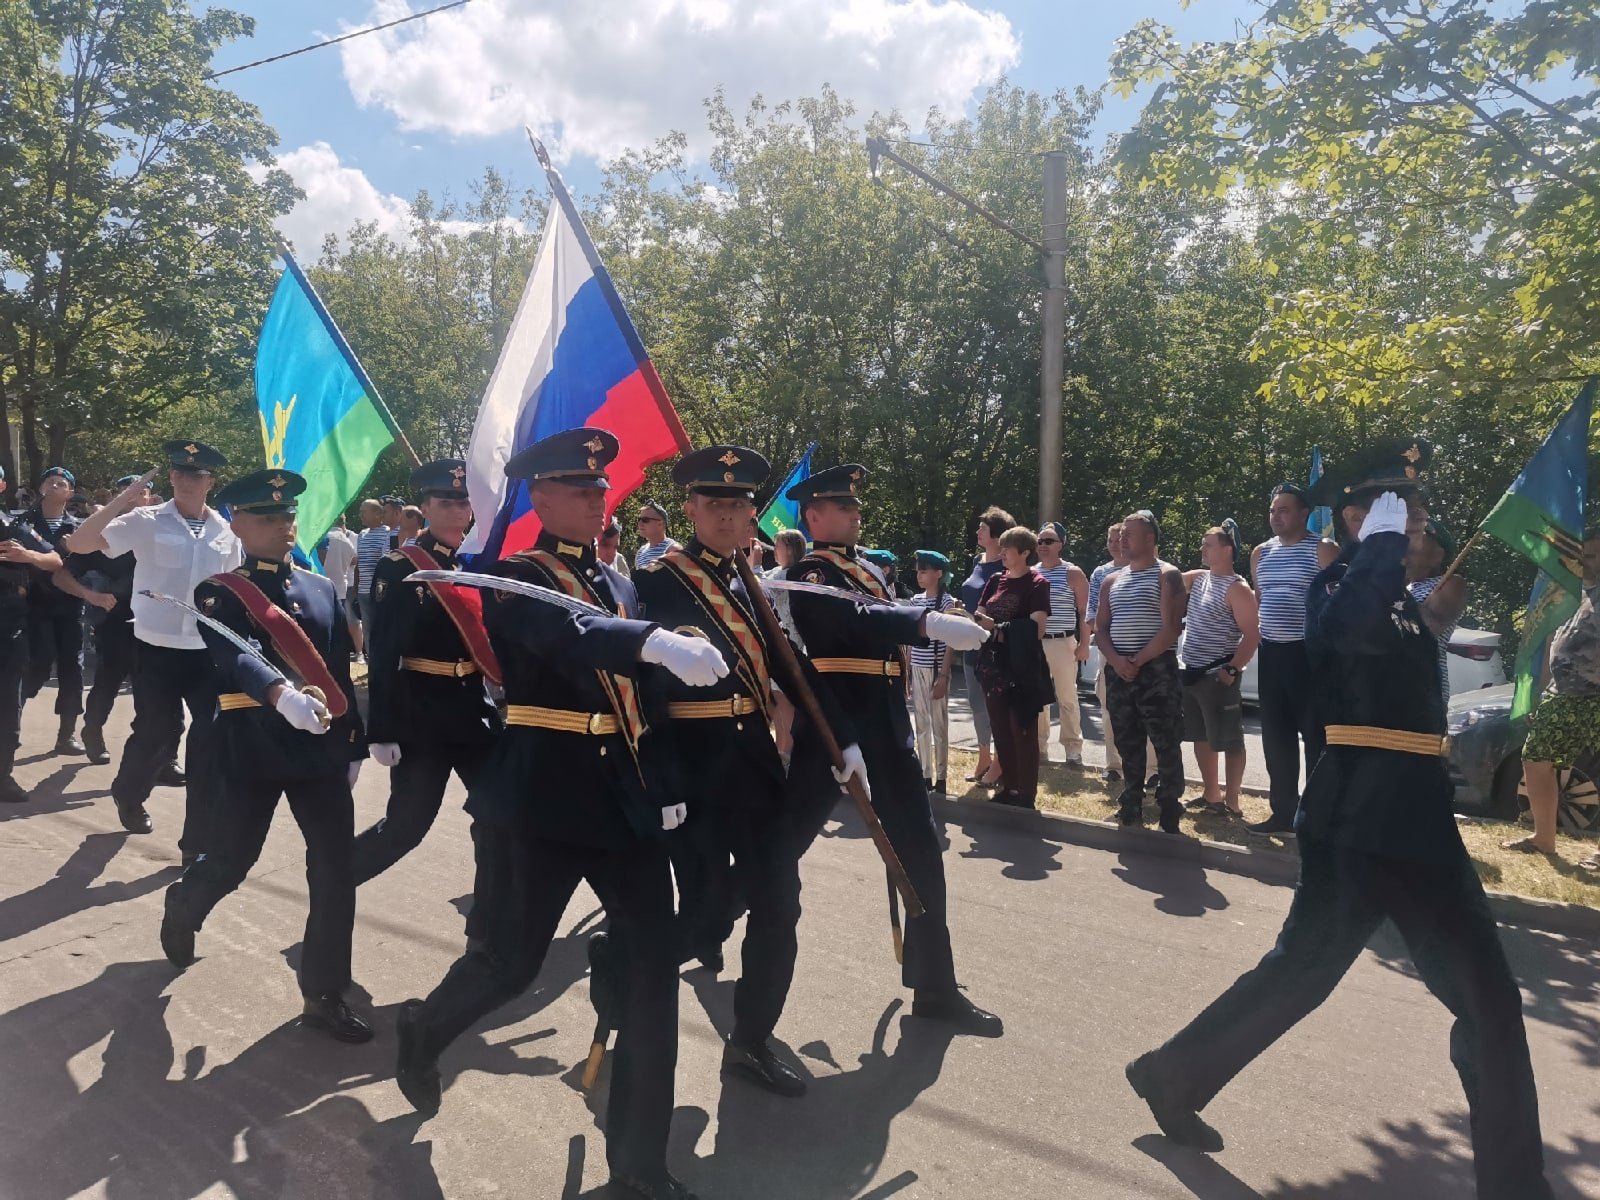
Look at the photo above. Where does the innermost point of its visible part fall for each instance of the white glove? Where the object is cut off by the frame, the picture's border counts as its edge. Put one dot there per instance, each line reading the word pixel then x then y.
pixel 354 772
pixel 956 632
pixel 694 660
pixel 1387 515
pixel 304 712
pixel 673 815
pixel 855 765
pixel 385 754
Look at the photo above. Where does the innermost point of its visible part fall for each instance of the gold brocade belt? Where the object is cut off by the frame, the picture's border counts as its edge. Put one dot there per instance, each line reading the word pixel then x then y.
pixel 434 666
pixel 856 666
pixel 702 710
pixel 565 720
pixel 1377 738
pixel 229 701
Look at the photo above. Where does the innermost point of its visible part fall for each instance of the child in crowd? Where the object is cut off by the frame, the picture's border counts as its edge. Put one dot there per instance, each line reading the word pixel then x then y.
pixel 930 674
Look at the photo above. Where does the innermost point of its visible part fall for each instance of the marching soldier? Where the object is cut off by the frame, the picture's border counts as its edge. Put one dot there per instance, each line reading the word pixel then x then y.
pixel 428 710
pixel 563 798
pixel 275 739
pixel 858 653
pixel 726 764
pixel 1377 839
pixel 22 553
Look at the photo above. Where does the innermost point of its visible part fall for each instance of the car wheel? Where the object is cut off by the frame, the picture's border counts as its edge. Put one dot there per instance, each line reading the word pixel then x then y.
pixel 1578 800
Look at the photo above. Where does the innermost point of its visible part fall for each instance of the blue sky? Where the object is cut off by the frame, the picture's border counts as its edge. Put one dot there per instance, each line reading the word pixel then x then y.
pixel 365 126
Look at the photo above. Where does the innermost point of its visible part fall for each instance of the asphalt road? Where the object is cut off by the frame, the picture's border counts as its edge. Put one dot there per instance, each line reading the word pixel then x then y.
pixel 123 1079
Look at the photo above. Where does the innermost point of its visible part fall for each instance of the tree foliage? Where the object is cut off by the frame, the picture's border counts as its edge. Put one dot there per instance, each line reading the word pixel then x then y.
pixel 135 241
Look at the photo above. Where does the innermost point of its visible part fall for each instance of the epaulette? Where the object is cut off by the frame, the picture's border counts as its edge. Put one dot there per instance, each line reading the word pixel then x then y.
pixel 396 556
pixel 237 571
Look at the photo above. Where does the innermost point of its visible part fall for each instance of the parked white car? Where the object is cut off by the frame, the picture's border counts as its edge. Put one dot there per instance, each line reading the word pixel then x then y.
pixel 1473 658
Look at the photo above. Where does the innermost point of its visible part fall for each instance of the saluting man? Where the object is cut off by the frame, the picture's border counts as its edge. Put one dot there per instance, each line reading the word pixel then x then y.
pixel 859 655
pixel 428 711
pixel 275 739
pixel 563 798
pixel 1378 840
pixel 726 764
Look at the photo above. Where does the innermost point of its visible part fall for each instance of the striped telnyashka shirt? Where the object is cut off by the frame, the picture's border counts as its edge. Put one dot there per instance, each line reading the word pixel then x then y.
pixel 1135 600
pixel 1095 580
pixel 1063 616
pixel 1210 630
pixel 1283 577
pixel 931 655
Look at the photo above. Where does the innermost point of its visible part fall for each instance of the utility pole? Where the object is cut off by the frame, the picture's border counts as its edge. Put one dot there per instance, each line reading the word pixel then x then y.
pixel 1052 252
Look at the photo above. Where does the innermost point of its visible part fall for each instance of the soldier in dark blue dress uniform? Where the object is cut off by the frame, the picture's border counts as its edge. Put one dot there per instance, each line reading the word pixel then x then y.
pixel 23 554
pixel 274 740
pixel 726 764
pixel 55 616
pixel 1377 839
pixel 858 653
pixel 564 798
pixel 428 712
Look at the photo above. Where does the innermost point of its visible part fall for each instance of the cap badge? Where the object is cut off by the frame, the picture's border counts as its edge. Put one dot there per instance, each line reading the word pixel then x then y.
pixel 191 448
pixel 277 496
pixel 277 481
pixel 594 445
pixel 594 464
pixel 729 459
pixel 727 477
pixel 1413 454
pixel 457 474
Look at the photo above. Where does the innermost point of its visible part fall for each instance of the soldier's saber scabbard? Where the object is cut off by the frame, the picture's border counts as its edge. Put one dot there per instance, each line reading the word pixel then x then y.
pixel 808 701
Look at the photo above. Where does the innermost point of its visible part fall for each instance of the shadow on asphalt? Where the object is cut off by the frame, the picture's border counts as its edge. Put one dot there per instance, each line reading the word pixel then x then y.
pixel 1180 886
pixel 50 794
pixel 69 891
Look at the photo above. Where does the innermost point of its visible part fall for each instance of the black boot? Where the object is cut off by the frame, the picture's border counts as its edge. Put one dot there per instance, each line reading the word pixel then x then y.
pixel 329 1013
pixel 759 1065
pixel 958 1011
pixel 134 818
pixel 67 739
pixel 1177 1120
pixel 94 744
pixel 171 775
pixel 12 792
pixel 416 1071
pixel 177 939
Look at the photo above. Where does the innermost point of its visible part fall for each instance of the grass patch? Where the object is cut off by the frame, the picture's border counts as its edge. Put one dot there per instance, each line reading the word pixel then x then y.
pixel 1081 794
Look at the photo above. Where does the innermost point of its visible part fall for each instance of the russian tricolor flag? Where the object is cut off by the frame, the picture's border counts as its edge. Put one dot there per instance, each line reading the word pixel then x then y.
pixel 571 358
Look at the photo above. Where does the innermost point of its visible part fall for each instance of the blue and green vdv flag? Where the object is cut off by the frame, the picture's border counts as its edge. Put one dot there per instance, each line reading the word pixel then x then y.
pixel 780 512
pixel 1541 517
pixel 320 415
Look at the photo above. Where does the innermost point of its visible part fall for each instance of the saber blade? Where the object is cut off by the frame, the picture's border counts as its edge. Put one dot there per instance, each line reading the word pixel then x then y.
pixel 499 583
pixel 822 589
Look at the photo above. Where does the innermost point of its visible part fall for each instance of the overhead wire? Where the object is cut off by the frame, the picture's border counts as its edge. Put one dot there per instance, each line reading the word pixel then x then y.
pixel 343 37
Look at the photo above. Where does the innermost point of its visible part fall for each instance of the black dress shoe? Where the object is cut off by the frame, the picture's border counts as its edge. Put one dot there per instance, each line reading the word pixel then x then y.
pixel 712 961
pixel 1177 1120
pixel 757 1064
pixel 334 1017
pixel 94 744
pixel 171 775
pixel 941 787
pixel 177 939
pixel 660 1186
pixel 1271 827
pixel 12 792
pixel 67 741
pixel 416 1071
pixel 1171 823
pixel 134 818
pixel 955 1009
pixel 1129 817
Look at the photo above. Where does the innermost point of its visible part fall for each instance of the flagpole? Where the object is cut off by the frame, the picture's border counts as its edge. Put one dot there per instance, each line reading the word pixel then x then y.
pixel 1471 542
pixel 349 354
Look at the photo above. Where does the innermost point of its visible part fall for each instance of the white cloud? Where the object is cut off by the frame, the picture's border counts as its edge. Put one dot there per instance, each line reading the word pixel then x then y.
pixel 337 197
pixel 598 76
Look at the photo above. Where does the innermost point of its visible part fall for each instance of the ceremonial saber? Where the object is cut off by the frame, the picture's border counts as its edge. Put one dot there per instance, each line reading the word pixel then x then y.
pixel 859 599
pixel 807 699
pixel 307 689
pixel 499 583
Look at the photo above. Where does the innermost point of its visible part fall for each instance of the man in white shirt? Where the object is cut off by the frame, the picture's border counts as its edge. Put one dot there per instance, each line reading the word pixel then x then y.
pixel 339 565
pixel 175 546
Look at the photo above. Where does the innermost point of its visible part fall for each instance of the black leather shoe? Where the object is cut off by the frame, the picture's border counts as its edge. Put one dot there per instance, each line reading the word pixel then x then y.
pixel 1177 1120
pixel 955 1009
pixel 1171 823
pixel 67 741
pixel 94 744
pixel 134 818
pixel 177 939
pixel 1130 817
pixel 757 1064
pixel 334 1017
pixel 658 1187
pixel 1271 827
pixel 415 1070
pixel 12 792
pixel 941 787
pixel 171 775
pixel 712 961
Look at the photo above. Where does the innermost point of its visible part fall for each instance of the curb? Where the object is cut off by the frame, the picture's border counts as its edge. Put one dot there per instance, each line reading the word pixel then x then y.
pixel 1265 866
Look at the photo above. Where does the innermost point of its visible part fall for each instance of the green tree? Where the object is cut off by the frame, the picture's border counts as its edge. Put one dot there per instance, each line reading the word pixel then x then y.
pixel 135 242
